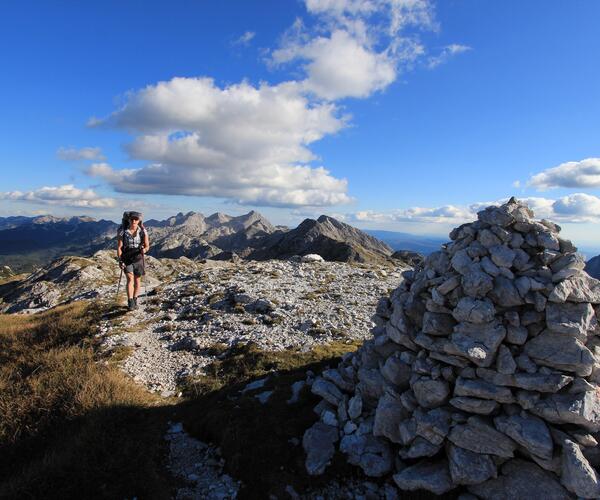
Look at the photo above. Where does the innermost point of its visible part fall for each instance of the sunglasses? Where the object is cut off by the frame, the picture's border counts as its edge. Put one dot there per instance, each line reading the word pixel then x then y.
pixel 135 218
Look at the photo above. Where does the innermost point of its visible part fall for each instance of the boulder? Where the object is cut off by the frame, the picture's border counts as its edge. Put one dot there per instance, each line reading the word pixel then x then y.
pixel 582 409
pixel 477 342
pixel 529 431
pixel 318 444
pixel 480 437
pixel 560 351
pixel 430 476
pixel 577 475
pixel 431 393
pixel 572 319
pixel 521 480
pixel 388 415
pixel 473 311
pixel 467 467
pixel 373 455
pixel 474 405
pixel 481 389
pixel 312 257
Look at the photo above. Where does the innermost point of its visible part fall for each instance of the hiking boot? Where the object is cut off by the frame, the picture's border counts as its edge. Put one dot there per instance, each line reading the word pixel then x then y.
pixel 135 304
pixel 131 304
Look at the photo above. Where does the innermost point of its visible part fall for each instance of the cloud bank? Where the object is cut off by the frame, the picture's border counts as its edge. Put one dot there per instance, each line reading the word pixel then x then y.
pixel 573 208
pixel 572 174
pixel 66 195
pixel 74 154
pixel 245 143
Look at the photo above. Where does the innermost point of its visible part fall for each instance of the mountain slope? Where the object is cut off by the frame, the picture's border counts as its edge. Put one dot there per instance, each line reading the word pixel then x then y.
pixel 592 267
pixel 196 236
pixel 13 221
pixel 40 239
pixel 328 237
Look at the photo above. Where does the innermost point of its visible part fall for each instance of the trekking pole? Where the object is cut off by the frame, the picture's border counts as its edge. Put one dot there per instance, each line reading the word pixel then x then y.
pixel 119 285
pixel 143 275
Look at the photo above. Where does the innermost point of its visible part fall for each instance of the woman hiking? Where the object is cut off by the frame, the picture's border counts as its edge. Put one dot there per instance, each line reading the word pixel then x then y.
pixel 131 247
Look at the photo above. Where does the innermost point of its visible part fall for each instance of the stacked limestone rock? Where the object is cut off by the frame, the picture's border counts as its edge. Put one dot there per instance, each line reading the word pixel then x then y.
pixel 482 374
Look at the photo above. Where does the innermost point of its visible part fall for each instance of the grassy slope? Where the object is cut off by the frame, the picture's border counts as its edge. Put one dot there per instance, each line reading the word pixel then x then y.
pixel 69 426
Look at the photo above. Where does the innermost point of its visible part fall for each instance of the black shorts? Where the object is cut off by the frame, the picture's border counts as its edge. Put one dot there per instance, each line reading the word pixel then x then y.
pixel 136 267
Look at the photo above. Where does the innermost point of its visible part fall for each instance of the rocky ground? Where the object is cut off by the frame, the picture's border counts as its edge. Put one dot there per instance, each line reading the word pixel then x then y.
pixel 184 325
pixel 194 312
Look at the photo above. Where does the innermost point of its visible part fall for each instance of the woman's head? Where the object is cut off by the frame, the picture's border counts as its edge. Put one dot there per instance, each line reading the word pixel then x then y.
pixel 132 219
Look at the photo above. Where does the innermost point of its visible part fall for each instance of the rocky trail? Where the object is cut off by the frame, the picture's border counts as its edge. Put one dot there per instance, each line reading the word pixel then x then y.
pixel 277 305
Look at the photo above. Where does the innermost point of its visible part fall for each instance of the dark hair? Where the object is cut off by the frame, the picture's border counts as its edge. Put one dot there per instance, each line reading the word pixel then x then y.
pixel 128 216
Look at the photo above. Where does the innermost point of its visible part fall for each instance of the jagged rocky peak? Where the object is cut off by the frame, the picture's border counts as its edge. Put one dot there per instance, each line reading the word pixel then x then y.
pixel 331 239
pixel 189 219
pixel 483 372
pixel 51 219
pixel 336 230
pixel 253 218
pixel 218 218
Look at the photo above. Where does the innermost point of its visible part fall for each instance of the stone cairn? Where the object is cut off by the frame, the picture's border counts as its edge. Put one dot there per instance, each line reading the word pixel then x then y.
pixel 482 374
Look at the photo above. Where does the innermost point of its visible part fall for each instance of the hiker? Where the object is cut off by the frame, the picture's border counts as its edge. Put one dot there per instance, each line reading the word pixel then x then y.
pixel 131 247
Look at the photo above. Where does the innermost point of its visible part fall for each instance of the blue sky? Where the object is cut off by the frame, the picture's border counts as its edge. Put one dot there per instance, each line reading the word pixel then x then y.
pixel 419 112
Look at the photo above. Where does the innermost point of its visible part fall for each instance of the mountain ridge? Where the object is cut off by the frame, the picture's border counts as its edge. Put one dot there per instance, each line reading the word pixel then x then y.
pixel 27 242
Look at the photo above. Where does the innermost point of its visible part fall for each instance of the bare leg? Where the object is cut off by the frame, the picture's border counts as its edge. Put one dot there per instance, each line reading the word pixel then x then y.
pixel 129 285
pixel 136 290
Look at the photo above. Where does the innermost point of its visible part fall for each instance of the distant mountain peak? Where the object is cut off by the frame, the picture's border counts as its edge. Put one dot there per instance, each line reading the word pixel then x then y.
pixel 330 238
pixel 51 219
pixel 326 218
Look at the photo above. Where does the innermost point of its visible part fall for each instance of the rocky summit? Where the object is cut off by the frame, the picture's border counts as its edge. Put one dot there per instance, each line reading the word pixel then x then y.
pixel 482 374
pixel 330 238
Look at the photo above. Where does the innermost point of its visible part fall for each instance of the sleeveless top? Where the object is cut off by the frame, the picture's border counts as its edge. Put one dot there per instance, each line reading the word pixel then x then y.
pixel 132 241
pixel 132 244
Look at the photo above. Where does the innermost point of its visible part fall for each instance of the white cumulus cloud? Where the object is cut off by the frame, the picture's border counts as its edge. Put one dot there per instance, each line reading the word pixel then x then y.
pixel 251 143
pixel 358 46
pixel 74 154
pixel 340 66
pixel 572 174
pixel 66 195
pixel 244 143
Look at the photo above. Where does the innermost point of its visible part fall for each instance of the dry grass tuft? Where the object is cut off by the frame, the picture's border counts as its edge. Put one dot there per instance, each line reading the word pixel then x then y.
pixel 69 425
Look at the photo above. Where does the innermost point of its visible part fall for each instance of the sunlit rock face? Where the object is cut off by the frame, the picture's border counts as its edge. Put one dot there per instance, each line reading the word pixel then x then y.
pixel 482 373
